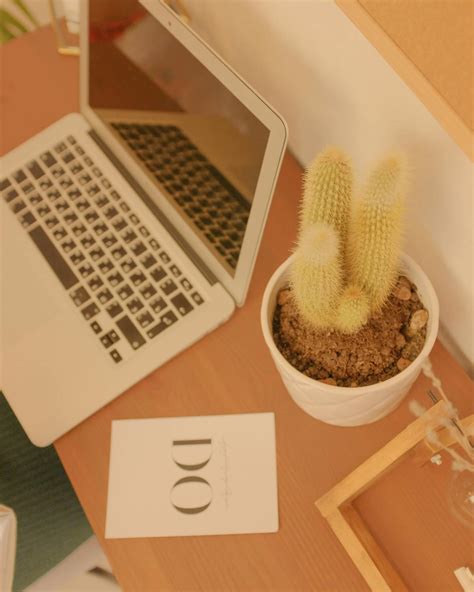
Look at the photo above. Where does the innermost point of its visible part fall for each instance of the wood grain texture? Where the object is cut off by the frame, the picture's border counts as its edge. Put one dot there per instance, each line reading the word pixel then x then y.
pixel 230 371
pixel 430 44
pixel 390 575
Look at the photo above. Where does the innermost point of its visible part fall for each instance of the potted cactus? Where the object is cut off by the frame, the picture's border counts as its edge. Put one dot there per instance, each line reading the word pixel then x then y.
pixel 348 318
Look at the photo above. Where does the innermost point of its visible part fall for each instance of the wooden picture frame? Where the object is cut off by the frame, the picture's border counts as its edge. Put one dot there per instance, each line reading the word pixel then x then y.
pixel 336 505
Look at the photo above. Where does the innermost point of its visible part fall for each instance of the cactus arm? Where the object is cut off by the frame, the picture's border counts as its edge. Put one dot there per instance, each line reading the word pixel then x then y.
pixel 316 276
pixel 327 193
pixel 353 311
pixel 376 232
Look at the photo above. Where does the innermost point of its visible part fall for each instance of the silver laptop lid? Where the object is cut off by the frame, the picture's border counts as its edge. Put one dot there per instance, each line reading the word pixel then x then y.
pixel 203 144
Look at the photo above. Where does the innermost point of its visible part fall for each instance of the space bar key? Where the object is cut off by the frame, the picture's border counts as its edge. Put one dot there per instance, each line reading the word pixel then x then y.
pixel 56 261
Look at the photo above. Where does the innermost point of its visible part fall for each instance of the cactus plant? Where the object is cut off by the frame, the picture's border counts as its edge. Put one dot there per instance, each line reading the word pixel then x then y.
pixel 374 251
pixel 345 268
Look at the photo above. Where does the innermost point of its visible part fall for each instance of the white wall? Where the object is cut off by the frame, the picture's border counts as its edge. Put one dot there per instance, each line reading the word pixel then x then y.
pixel 333 87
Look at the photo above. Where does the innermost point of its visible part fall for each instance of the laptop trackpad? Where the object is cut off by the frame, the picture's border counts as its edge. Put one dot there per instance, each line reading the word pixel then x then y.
pixel 29 290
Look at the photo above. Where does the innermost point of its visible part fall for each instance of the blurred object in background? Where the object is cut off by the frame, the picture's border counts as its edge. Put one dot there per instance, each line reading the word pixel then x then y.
pixel 16 18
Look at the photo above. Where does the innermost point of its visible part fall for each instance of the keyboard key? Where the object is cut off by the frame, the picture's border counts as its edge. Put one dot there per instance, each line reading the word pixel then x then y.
pixel 116 357
pixel 168 287
pixel 186 284
pixel 115 278
pixel 175 271
pixel 104 296
pixel 134 219
pixel 137 278
pixel 158 274
pixel 79 296
pixel 91 216
pixel 77 257
pixel 158 304
pixel 138 248
pixel 68 245
pixel 118 252
pixel 95 283
pixel 48 159
pixel 96 327
pixel 19 177
pixel 154 244
pixel 89 312
pixel 10 195
pixel 67 156
pixel 164 257
pixel 35 170
pixel 99 228
pixel 119 223
pixel 18 206
pixel 128 235
pixel 198 299
pixel 134 305
pixel 57 171
pixel 166 321
pixel 147 291
pixel 144 231
pixel 144 319
pixel 78 229
pixel 109 240
pixel 43 211
pixel 27 219
pixel 130 332
pixel 113 336
pixel 85 270
pixel 114 309
pixel 96 253
pixel 105 266
pixel 128 264
pixel 70 218
pixel 125 291
pixel 51 221
pixel 182 304
pixel 148 261
pixel 110 212
pixel 59 233
pixel 115 195
pixel 106 341
pixel 87 241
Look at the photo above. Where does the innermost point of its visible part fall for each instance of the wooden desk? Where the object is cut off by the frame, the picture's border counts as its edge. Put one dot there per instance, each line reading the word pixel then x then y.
pixel 230 371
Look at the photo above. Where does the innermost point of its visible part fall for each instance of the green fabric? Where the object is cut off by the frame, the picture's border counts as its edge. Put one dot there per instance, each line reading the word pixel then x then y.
pixel 51 522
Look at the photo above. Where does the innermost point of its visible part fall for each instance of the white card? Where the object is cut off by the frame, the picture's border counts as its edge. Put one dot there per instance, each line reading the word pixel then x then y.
pixel 192 476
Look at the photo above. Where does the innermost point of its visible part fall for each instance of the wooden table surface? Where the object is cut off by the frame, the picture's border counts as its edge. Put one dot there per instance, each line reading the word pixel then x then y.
pixel 230 371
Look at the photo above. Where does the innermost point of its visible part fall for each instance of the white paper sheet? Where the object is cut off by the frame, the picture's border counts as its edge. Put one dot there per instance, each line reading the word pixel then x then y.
pixel 192 476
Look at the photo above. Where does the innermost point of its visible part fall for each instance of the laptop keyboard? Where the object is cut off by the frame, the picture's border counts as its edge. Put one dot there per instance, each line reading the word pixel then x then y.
pixel 214 206
pixel 124 283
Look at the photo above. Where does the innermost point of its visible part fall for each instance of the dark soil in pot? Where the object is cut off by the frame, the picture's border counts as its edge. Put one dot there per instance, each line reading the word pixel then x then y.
pixel 385 346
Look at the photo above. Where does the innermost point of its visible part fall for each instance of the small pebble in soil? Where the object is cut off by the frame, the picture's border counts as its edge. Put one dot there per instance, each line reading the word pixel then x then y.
pixel 402 293
pixel 417 322
pixel 403 363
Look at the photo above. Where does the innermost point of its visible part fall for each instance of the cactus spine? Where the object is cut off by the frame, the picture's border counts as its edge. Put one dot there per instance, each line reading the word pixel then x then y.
pixel 345 268
pixel 376 232
pixel 316 277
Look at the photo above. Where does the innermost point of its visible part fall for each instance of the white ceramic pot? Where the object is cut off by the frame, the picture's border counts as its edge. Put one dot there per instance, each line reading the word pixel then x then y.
pixel 346 406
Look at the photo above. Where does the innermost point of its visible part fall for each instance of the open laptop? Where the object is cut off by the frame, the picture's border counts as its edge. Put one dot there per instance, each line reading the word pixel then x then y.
pixel 129 231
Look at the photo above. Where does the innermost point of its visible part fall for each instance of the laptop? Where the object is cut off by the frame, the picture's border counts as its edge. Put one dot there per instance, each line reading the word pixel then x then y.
pixel 130 230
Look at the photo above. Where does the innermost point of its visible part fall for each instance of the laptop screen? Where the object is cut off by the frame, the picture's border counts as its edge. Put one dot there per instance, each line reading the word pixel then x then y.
pixel 191 136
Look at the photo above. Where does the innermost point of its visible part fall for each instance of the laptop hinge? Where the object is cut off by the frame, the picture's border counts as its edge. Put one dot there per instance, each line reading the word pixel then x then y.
pixel 190 252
